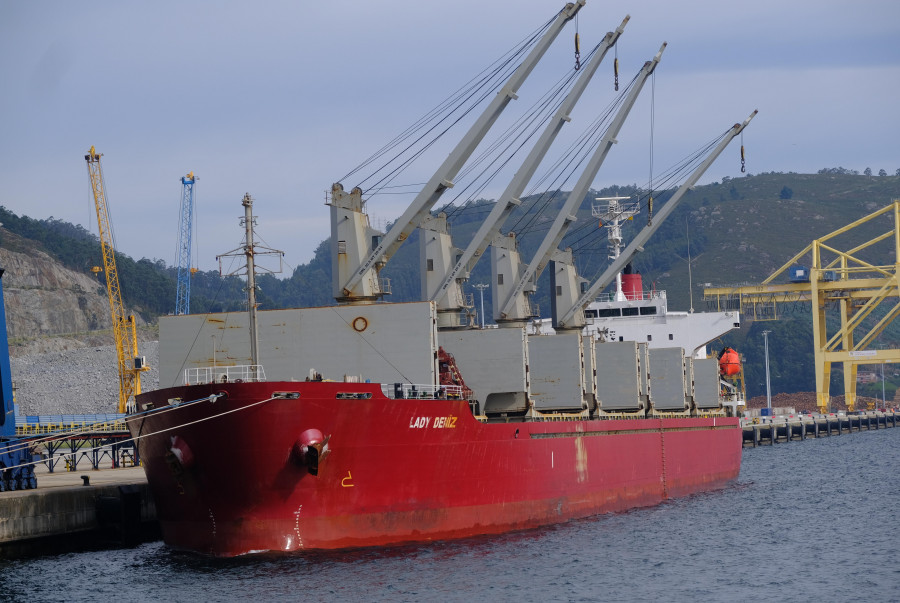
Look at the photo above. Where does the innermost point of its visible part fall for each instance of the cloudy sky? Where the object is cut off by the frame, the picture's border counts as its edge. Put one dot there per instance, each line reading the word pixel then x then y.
pixel 282 98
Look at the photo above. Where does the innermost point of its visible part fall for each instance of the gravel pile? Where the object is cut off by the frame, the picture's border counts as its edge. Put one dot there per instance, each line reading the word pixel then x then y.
pixel 76 382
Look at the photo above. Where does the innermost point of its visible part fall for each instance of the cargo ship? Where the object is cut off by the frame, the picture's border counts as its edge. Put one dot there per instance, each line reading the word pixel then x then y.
pixel 372 424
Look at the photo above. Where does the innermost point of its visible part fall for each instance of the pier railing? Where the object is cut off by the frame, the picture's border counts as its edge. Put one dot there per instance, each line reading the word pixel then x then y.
pixel 770 430
pixel 224 374
pixel 54 424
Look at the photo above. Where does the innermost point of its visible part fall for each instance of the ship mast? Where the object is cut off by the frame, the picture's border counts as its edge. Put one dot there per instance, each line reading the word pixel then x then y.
pixel 247 202
pixel 250 250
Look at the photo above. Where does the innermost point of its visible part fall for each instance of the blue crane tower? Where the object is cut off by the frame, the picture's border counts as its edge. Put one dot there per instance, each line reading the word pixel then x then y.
pixel 16 469
pixel 183 290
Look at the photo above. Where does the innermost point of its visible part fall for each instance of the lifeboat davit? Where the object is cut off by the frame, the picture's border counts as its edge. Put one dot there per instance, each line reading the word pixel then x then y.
pixel 729 363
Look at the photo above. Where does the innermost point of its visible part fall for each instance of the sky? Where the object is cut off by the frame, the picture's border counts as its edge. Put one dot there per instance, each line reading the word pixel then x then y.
pixel 282 98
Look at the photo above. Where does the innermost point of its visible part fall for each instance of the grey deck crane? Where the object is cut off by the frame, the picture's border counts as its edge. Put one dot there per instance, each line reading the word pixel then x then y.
pixel 573 318
pixel 514 308
pixel 443 286
pixel 357 270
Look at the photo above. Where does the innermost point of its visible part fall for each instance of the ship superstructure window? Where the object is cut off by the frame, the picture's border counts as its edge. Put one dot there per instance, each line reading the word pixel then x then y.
pixel 671 337
pixel 429 265
pixel 590 314
pixel 342 246
pixel 558 290
pixel 649 337
pixel 645 310
pixel 630 311
pixel 500 279
pixel 607 312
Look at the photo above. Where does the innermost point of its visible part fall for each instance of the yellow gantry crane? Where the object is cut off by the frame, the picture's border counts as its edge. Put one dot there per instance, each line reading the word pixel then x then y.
pixel 130 364
pixel 837 277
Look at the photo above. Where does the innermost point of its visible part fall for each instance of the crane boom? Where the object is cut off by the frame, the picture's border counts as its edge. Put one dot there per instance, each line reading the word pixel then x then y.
pixel 183 288
pixel 637 244
pixel 565 217
pixel 129 364
pixel 510 197
pixel 443 177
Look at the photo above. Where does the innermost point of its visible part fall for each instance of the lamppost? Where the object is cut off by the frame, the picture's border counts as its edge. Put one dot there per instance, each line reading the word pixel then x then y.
pixel 481 287
pixel 765 335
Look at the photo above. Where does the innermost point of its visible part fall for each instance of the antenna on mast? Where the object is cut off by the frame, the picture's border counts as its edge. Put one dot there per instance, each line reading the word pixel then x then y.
pixel 250 250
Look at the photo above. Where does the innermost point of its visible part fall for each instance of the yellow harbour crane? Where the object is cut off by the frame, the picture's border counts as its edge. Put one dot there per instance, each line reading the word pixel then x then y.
pixel 837 277
pixel 130 364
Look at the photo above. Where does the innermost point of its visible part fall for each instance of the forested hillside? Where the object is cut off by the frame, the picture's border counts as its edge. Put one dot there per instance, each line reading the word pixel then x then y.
pixel 739 230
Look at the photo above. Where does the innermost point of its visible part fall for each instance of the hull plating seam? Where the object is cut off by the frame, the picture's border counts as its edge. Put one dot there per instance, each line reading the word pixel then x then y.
pixel 580 434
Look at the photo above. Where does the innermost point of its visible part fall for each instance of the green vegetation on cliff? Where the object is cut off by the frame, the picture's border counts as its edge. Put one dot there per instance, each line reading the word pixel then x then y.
pixel 739 230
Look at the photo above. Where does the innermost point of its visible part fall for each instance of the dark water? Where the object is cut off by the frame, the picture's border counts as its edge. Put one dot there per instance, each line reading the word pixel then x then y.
pixel 807 521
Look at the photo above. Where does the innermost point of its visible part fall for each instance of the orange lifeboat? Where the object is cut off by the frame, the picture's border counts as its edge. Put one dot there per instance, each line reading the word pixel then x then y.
pixel 729 363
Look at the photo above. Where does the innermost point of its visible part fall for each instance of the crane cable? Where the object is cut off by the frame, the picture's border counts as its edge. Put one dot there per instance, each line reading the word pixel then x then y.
pixel 476 90
pixel 565 167
pixel 652 127
pixel 668 179
pixel 517 136
pixel 507 145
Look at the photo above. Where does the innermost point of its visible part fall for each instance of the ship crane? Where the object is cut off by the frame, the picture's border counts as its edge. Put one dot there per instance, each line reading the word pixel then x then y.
pixel 130 365
pixel 183 288
pixel 443 294
pixel 839 277
pixel 359 253
pixel 515 308
pixel 573 318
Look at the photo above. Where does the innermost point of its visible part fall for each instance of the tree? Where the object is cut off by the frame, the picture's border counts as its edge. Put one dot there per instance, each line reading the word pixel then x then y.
pixel 867 171
pixel 882 173
pixel 786 193
pixel 897 173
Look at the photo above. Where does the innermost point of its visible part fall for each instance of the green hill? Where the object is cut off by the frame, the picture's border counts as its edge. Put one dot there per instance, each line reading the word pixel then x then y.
pixel 737 231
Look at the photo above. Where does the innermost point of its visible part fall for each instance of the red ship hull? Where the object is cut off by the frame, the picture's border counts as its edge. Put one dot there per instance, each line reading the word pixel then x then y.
pixel 399 470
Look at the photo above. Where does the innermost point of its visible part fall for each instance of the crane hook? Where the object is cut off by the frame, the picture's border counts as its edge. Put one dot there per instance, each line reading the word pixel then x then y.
pixel 616 67
pixel 743 159
pixel 577 52
pixel 616 73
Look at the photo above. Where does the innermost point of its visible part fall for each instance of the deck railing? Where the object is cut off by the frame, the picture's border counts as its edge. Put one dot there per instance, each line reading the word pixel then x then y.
pixel 412 391
pixel 224 374
pixel 633 296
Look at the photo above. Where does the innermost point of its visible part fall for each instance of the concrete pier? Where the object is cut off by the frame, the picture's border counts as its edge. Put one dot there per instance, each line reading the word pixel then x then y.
pixel 77 510
pixel 773 430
